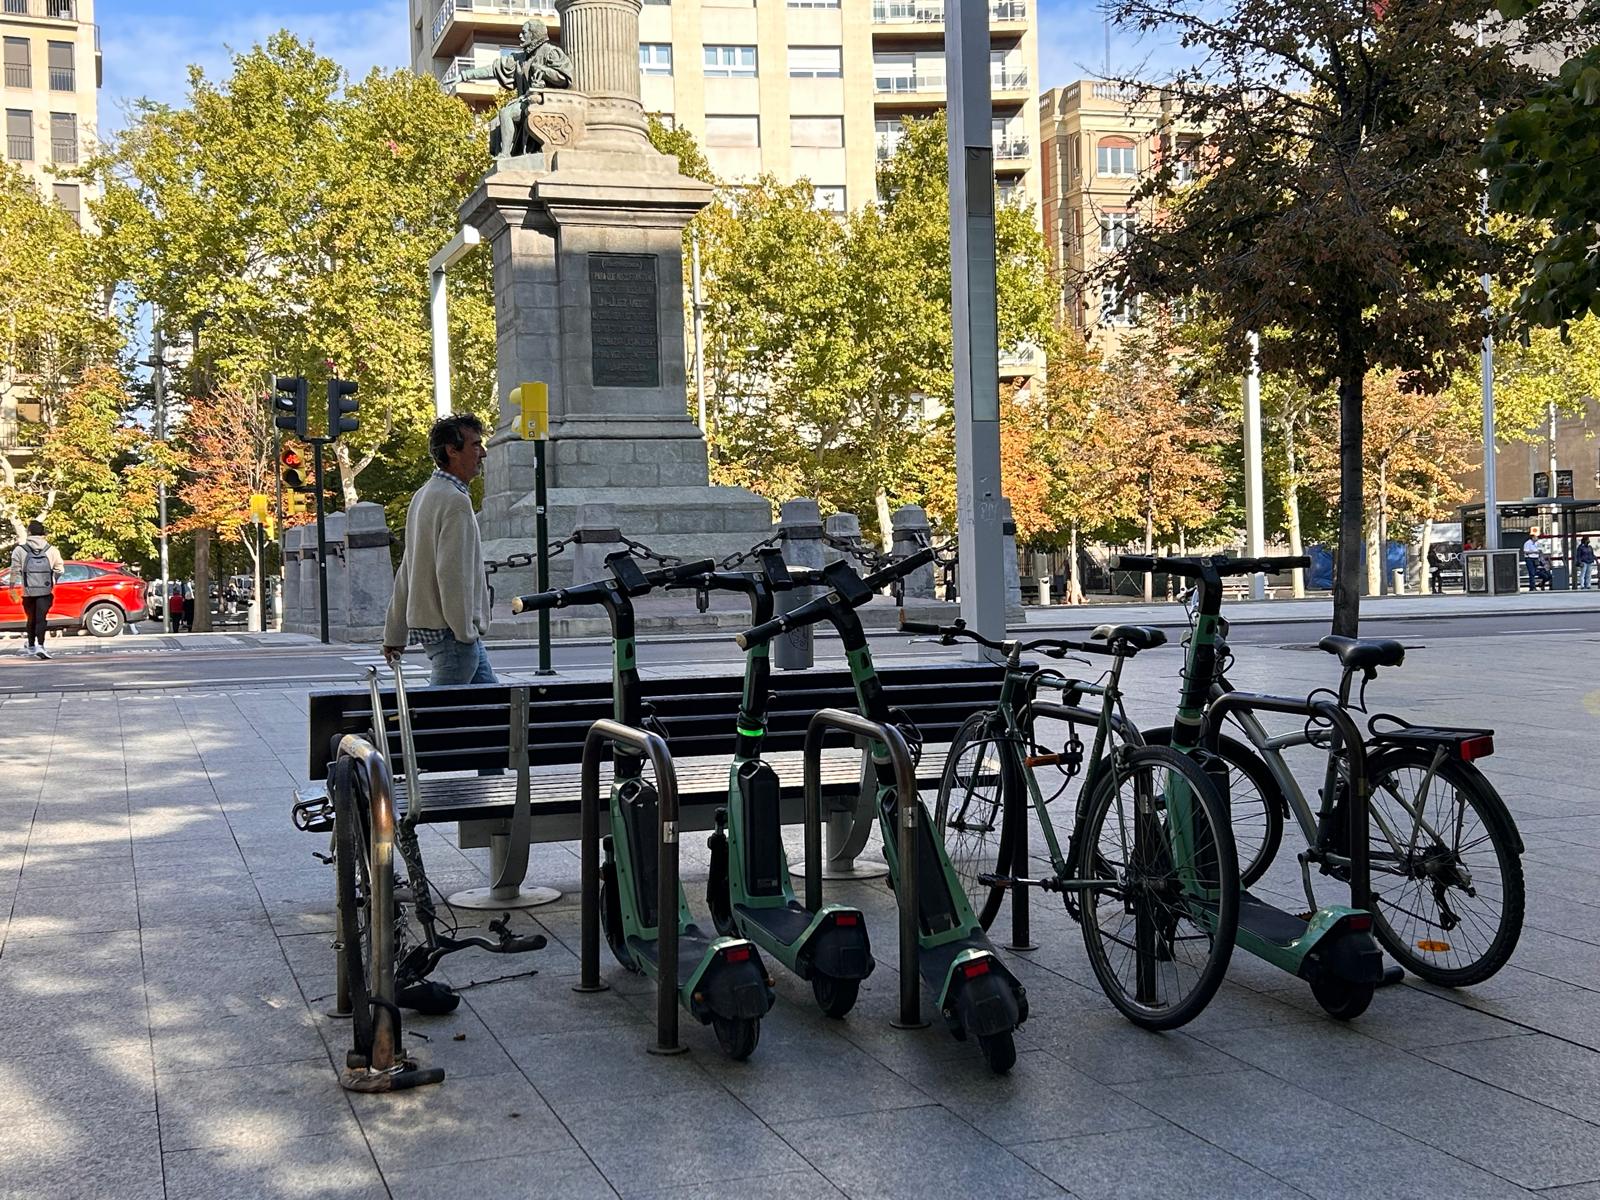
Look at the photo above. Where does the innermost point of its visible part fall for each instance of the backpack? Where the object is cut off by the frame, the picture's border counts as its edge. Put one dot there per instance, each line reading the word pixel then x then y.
pixel 37 574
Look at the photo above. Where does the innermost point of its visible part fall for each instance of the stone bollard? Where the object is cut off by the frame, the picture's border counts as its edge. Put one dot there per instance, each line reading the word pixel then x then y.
pixel 844 527
pixel 370 572
pixel 597 536
pixel 301 578
pixel 1008 530
pixel 911 533
pixel 801 523
pixel 1041 572
pixel 334 526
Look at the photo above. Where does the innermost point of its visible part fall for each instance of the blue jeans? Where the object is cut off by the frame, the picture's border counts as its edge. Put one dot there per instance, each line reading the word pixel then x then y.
pixel 1586 575
pixel 1535 569
pixel 459 662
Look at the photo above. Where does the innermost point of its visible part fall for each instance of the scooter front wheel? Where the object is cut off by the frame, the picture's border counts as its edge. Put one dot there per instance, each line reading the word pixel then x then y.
pixel 611 915
pixel 835 997
pixel 999 1051
pixel 737 1035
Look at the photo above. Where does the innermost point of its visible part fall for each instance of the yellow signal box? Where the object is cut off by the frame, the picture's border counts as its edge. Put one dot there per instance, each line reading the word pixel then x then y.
pixel 532 401
pixel 260 508
pixel 293 504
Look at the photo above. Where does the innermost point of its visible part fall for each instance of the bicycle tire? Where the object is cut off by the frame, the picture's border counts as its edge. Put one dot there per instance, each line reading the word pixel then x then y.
pixel 352 871
pixel 1156 901
pixel 1445 967
pixel 1256 804
pixel 967 850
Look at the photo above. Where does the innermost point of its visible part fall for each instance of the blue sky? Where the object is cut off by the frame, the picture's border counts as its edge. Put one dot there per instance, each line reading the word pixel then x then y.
pixel 149 45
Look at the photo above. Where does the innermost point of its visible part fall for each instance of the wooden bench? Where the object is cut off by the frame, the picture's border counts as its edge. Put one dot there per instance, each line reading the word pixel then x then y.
pixel 458 731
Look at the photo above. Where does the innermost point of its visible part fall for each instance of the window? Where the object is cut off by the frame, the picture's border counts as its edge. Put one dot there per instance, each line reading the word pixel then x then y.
pixel 19 135
pixel 1115 308
pixel 1187 151
pixel 1116 228
pixel 66 195
pixel 1005 74
pixel 828 198
pixel 743 132
pixel 63 78
pixel 1008 191
pixel 816 62
pixel 76 573
pixel 730 62
pixel 668 121
pixel 813 3
pixel 655 58
pixel 822 133
pixel 63 138
pixel 1115 156
pixel 663 2
pixel 887 133
pixel 19 65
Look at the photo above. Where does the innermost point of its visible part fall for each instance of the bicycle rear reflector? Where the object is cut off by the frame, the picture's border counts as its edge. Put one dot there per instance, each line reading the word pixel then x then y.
pixel 1481 746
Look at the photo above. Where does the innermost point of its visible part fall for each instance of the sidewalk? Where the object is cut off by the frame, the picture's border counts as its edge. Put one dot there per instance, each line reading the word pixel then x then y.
pixel 165 971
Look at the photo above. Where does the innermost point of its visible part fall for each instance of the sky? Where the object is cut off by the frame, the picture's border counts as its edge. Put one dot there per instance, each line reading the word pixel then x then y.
pixel 149 46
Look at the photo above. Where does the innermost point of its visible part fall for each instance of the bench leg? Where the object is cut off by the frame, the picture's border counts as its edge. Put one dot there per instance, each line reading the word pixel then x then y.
pixel 846 833
pixel 504 893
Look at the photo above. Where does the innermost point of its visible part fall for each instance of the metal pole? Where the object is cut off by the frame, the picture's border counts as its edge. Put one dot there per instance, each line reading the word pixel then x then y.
pixel 1254 510
pixel 258 603
pixel 975 319
pixel 159 378
pixel 322 541
pixel 439 315
pixel 699 302
pixel 542 549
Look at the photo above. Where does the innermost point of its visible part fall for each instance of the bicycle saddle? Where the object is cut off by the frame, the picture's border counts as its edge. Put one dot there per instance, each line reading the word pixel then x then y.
pixel 1359 653
pixel 1137 637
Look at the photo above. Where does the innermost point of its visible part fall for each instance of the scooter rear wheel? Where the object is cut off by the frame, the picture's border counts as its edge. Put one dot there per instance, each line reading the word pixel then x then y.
pixel 611 914
pixel 835 997
pixel 999 1051
pixel 737 1035
pixel 1341 999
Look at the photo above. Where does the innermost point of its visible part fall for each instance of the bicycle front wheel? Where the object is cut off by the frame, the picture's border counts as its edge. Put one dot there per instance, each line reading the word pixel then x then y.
pixel 970 813
pixel 1162 908
pixel 1447 886
pixel 352 870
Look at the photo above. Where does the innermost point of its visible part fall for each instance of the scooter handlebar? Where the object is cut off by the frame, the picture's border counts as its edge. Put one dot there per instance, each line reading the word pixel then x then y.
pixel 816 610
pixel 592 593
pixel 1192 568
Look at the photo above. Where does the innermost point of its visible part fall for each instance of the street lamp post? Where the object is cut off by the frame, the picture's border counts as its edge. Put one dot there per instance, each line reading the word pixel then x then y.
pixel 454 251
pixel 157 363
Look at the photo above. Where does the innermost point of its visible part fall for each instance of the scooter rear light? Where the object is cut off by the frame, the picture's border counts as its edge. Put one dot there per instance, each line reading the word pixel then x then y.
pixel 847 919
pixel 735 954
pixel 978 966
pixel 1359 923
pixel 1481 746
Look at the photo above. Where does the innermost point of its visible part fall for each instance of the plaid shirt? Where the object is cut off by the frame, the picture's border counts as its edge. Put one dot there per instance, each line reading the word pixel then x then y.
pixel 432 637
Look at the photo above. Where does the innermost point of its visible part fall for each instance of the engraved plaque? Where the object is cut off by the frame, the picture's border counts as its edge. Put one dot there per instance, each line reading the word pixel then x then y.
pixel 625 344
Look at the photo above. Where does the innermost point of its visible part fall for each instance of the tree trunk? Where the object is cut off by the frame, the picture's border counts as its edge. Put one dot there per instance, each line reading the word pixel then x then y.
pixel 885 522
pixel 1149 549
pixel 1074 587
pixel 1382 525
pixel 1373 573
pixel 202 581
pixel 1347 561
pixel 1291 512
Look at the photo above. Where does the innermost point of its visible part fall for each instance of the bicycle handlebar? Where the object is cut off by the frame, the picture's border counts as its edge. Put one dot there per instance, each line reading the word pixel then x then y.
pixel 594 593
pixel 1195 568
pixel 1052 647
pixel 817 610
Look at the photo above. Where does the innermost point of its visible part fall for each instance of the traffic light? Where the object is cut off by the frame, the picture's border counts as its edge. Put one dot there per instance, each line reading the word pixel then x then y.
pixel 289 403
pixel 342 400
pixel 294 504
pixel 532 401
pixel 292 482
pixel 260 506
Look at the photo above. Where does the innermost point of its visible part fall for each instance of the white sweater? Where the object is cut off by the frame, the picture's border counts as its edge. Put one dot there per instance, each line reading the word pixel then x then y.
pixel 440 583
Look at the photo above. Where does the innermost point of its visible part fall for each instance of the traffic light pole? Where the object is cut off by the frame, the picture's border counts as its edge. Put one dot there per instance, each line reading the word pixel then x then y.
pixel 542 547
pixel 322 539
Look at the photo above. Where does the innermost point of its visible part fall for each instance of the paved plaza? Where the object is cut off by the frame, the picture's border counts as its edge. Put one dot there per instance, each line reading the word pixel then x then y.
pixel 166 972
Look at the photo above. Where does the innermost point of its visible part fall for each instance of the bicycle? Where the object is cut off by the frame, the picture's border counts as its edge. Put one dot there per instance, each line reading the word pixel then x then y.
pixel 1447 890
pixel 1149 872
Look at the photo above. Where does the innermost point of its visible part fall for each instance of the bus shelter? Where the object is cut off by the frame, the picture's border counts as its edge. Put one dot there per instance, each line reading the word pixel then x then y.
pixel 1560 520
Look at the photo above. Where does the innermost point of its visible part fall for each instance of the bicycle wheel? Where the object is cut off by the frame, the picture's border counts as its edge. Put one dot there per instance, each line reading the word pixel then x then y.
pixel 1447 883
pixel 353 882
pixel 970 813
pixel 1255 803
pixel 1160 921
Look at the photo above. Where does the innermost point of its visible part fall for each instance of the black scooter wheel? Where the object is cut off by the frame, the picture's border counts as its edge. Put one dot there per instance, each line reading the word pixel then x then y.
pixel 999 1051
pixel 835 997
pixel 611 915
pixel 1341 999
pixel 737 1035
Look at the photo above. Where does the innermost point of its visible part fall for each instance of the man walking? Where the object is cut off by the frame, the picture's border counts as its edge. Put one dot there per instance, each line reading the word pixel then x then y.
pixel 441 595
pixel 35 567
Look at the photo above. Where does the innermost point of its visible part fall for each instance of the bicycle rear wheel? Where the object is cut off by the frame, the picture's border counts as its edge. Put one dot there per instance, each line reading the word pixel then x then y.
pixel 1159 924
pixel 970 813
pixel 1448 893
pixel 352 869
pixel 1255 802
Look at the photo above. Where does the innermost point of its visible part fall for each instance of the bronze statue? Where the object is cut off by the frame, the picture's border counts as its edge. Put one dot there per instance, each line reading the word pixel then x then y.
pixel 538 65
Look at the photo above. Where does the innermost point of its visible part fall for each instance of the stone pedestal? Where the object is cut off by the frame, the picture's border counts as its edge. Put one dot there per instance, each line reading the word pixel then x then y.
pixel 370 572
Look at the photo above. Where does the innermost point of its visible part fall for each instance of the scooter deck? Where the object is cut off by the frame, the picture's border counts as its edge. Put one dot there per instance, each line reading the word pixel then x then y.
pixel 694 944
pixel 1269 922
pixel 786 923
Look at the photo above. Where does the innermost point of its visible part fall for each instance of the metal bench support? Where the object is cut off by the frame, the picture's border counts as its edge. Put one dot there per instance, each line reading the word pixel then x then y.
pixel 848 828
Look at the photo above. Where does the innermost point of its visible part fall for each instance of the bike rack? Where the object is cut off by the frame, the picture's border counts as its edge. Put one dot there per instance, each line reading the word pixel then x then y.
pixel 649 745
pixel 908 804
pixel 1349 735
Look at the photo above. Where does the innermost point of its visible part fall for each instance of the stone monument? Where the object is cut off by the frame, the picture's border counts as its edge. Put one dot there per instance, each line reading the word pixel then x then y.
pixel 587 242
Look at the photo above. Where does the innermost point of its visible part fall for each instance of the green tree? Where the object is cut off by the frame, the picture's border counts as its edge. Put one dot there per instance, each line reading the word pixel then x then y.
pixel 1339 196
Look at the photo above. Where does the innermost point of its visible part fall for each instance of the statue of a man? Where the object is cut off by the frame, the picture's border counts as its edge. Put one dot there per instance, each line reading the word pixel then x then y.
pixel 537 65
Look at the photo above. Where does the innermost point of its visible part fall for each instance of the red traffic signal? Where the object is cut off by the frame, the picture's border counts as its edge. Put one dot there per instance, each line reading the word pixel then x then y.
pixel 290 458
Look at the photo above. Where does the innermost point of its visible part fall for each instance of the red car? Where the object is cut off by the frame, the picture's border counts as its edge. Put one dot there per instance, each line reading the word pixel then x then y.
pixel 92 594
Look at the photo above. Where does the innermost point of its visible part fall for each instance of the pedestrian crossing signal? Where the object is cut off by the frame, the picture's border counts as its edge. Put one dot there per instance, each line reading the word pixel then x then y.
pixel 532 418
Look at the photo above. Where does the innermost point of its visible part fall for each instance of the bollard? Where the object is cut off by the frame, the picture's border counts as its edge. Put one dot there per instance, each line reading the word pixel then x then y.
pixel 596 536
pixel 1008 529
pixel 1041 572
pixel 335 525
pixel 369 571
pixel 843 527
pixel 801 523
pixel 911 533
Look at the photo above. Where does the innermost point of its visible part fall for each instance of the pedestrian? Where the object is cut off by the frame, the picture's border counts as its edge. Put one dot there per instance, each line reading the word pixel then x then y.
pixel 188 608
pixel 36 566
pixel 1533 560
pixel 1436 569
pixel 441 594
pixel 1585 563
pixel 175 607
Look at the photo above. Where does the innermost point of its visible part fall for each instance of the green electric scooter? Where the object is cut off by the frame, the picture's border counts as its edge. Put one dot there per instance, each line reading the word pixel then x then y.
pixel 722 981
pixel 976 994
pixel 749 892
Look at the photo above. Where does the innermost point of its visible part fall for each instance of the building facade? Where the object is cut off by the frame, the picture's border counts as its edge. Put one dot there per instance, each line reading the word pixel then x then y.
pixel 51 87
pixel 813 89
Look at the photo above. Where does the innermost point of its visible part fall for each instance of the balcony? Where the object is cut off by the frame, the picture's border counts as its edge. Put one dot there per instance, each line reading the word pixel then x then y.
pixel 64 151
pixel 19 147
pixel 1010 79
pixel 921 18
pixel 1010 149
pixel 909 88
pixel 457 22
pixel 51 10
pixel 63 79
pixel 19 75
pixel 1007 12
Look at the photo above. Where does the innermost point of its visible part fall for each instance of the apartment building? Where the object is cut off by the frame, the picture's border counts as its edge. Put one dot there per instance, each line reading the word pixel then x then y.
pixel 1098 139
pixel 51 89
pixel 799 88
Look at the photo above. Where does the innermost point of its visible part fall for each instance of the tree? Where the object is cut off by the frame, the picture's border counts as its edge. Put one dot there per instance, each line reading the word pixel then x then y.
pixel 1339 195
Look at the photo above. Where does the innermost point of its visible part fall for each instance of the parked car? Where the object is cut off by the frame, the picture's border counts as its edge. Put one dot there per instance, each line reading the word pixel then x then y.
pixel 102 597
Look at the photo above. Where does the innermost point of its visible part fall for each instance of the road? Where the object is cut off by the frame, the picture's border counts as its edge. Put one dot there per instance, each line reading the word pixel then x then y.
pixel 163 662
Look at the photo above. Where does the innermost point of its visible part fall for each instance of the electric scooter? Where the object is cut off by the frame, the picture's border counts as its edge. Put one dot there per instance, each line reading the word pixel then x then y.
pixel 722 981
pixel 749 892
pixel 977 995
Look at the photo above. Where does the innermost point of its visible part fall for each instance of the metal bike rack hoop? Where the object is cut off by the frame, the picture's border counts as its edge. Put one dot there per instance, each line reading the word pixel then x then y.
pixel 907 804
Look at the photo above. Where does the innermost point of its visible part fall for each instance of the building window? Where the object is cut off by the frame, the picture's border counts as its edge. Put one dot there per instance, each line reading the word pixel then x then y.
pixel 1183 169
pixel 668 121
pixel 731 132
pixel 66 195
pixel 818 133
pixel 828 198
pixel 661 2
pixel 1009 191
pixel 813 3
pixel 655 58
pixel 1006 74
pixel 63 76
pixel 1116 228
pixel 19 64
pixel 816 62
pixel 63 138
pixel 730 62
pixel 919 72
pixel 1115 308
pixel 19 135
pixel 888 133
pixel 1116 156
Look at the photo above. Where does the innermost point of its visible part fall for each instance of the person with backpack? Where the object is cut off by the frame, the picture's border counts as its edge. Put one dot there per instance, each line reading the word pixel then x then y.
pixel 35 567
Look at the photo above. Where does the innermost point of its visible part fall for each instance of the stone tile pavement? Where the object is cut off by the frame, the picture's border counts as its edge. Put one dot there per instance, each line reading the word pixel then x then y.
pixel 165 975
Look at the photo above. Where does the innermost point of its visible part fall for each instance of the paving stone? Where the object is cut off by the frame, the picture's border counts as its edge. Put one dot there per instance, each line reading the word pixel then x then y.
pixel 250 1106
pixel 1543 1069
pixel 572 1070
pixel 199 1037
pixel 72 1158
pixel 78 1085
pixel 79 910
pixel 1150 1164
pixel 556 1175
pixel 328 1166
pixel 458 1121
pixel 787 1185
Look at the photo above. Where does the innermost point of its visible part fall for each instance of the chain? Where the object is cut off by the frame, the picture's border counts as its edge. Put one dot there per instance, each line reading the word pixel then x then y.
pixel 523 559
pixel 871 559
pixel 741 556
pixel 640 550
